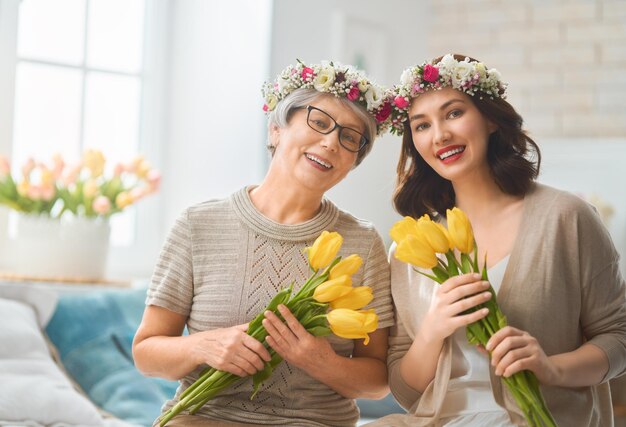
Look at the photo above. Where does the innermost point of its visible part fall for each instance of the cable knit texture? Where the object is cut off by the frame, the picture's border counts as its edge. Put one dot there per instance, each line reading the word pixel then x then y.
pixel 221 264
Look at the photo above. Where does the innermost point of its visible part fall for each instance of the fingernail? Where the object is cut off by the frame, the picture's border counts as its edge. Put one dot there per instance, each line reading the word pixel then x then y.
pixel 485 284
pixel 476 276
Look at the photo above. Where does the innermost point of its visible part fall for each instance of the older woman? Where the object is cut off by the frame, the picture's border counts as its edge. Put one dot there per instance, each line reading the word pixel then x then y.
pixel 225 259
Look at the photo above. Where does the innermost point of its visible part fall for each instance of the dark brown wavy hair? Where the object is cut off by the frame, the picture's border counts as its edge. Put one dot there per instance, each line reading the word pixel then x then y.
pixel 513 157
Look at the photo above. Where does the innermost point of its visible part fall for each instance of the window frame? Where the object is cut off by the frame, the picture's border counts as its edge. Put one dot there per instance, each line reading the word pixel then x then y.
pixel 134 261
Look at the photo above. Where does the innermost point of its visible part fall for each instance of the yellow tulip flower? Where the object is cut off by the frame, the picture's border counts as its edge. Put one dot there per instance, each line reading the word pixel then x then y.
pixel 333 289
pixel 23 187
pixel 349 266
pixel 460 229
pixel 444 230
pixel 94 161
pixel 123 199
pixel 90 189
pixel 47 179
pixel 403 228
pixel 357 298
pixel 352 324
pixel 436 239
pixel 324 250
pixel 417 252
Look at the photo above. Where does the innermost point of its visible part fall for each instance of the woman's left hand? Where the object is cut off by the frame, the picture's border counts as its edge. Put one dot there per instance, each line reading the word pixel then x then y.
pixel 294 343
pixel 513 350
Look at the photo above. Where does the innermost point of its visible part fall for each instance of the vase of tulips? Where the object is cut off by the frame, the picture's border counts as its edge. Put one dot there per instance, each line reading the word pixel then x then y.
pixel 60 212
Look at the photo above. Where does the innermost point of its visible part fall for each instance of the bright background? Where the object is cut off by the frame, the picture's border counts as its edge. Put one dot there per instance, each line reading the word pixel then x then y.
pixel 179 81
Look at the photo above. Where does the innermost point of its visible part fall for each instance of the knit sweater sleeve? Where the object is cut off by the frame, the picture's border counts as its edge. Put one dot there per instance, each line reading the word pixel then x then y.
pixel 171 286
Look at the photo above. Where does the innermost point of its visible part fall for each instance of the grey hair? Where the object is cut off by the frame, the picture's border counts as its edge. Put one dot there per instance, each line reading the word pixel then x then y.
pixel 281 115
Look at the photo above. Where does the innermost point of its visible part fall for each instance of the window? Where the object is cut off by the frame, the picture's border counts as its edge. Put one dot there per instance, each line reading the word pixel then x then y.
pixel 79 78
pixel 81 72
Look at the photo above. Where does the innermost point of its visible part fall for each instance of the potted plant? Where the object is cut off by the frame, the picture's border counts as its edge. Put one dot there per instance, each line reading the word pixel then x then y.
pixel 63 210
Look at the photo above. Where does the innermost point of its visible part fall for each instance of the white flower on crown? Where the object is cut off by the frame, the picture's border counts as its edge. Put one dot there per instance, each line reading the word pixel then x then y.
pixel 482 70
pixel 374 97
pixel 363 85
pixel 407 77
pixel 324 79
pixel 271 101
pixel 447 63
pixel 461 73
pixel 493 76
pixel 283 82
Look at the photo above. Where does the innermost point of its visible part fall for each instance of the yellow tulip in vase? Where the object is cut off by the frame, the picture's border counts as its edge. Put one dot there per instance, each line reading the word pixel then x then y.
pixel 418 243
pixel 61 212
pixel 328 287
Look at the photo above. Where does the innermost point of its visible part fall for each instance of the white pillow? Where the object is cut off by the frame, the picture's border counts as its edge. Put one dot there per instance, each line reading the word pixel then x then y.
pixel 33 387
pixel 42 301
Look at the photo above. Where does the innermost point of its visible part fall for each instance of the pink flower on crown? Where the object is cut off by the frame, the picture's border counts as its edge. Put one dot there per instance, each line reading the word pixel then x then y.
pixel 400 102
pixel 417 88
pixel 353 93
pixel 384 112
pixel 307 73
pixel 265 108
pixel 431 73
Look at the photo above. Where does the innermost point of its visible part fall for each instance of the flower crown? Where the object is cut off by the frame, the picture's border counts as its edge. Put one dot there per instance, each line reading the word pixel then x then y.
pixel 336 79
pixel 470 77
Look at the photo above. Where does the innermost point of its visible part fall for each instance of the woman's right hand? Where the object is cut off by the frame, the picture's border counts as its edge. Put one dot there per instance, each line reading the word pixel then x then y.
pixel 451 298
pixel 231 350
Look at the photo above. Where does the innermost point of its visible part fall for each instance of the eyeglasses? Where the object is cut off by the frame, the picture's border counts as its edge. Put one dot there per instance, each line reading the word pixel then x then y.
pixel 323 123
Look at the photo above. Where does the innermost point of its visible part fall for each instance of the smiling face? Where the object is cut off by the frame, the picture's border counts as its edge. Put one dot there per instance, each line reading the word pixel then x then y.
pixel 450 133
pixel 307 158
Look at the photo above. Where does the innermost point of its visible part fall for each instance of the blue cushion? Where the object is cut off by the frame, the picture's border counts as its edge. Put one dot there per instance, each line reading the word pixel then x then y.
pixel 93 333
pixel 373 409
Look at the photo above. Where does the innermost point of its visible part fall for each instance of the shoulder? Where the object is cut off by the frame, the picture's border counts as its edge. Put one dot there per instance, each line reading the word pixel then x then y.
pixel 360 235
pixel 207 214
pixel 560 202
pixel 208 208
pixel 199 219
pixel 348 223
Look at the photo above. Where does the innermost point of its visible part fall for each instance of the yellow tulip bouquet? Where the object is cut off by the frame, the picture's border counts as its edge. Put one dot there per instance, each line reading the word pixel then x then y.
pixel 329 286
pixel 418 243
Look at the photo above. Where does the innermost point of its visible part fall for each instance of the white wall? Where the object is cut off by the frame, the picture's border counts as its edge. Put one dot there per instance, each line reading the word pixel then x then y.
pixel 215 126
pixel 210 153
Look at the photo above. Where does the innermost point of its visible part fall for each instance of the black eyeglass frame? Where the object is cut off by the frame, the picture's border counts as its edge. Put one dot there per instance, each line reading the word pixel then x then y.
pixel 362 143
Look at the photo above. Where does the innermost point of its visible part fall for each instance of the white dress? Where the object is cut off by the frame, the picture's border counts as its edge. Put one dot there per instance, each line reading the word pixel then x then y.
pixel 469 400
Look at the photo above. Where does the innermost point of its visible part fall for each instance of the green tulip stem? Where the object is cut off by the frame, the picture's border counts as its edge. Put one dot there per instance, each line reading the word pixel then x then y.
pixel 523 385
pixel 307 310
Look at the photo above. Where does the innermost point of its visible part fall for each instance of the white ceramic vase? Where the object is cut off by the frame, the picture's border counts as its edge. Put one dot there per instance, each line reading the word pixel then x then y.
pixel 70 247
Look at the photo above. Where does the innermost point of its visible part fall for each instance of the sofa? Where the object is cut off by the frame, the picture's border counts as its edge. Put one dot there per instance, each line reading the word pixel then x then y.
pixel 66 360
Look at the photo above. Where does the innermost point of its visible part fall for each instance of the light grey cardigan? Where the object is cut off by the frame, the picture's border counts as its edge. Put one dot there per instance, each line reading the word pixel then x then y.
pixel 562 285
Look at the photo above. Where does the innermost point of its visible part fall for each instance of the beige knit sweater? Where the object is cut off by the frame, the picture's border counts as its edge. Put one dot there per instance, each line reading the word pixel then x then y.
pixel 222 263
pixel 562 285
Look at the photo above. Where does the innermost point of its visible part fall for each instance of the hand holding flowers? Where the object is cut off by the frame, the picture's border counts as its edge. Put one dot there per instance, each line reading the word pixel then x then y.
pixel 418 243
pixel 305 318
